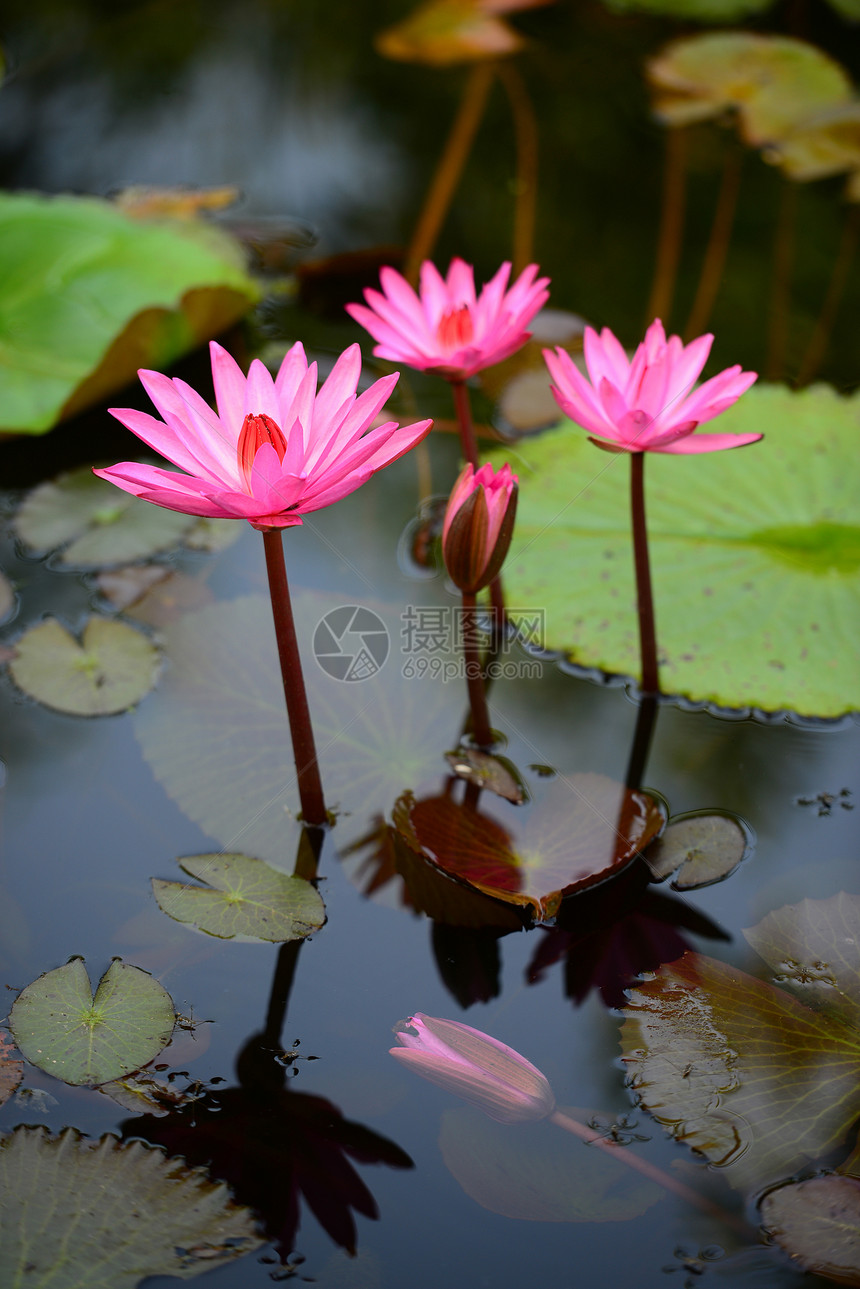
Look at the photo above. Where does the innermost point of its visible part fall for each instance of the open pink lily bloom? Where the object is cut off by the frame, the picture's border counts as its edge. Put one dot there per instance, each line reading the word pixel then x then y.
pixel 647 404
pixel 275 450
pixel 479 524
pixel 446 328
pixel 476 1067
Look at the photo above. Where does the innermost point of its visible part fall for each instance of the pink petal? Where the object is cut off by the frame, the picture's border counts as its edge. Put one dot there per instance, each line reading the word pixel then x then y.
pixel 205 446
pixel 290 375
pixel 461 283
pixel 162 488
pixel 162 439
pixel 229 382
pixel 358 417
pixel 604 356
pixel 708 443
pixel 435 299
pixel 718 394
pixel 260 397
pixel 339 387
pixel 401 295
pixel 689 363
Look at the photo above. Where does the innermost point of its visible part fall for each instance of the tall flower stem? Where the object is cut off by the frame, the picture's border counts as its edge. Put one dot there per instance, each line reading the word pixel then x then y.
pixel 644 598
pixel 718 244
pixel 526 139
pixel 670 235
pixel 462 406
pixel 304 750
pixel 820 338
pixel 450 167
pixel 780 287
pixel 481 731
pixel 669 1183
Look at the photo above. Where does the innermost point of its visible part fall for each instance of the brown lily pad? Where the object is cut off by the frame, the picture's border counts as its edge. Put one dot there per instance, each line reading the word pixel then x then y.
pixel 817 1222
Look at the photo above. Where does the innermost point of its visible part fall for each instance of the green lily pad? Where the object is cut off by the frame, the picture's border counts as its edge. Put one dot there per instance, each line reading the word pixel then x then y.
pixel 81 1039
pixel 90 295
pixel 536 1173
pixel 111 669
pixel 702 846
pixel 817 1222
pixel 103 525
pixel 774 82
pixel 755 554
pixel 693 10
pixel 11 1069
pixel 759 1082
pixel 79 1214
pixel 245 900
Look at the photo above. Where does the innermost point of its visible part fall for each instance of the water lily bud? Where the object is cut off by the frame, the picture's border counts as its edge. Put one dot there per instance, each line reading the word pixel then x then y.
pixel 478 1068
pixel 479 524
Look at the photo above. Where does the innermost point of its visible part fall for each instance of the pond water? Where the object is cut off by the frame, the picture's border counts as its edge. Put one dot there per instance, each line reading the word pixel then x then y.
pixel 286 1048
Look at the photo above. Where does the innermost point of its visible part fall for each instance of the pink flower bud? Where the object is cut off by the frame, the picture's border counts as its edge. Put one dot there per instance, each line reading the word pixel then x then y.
pixel 478 527
pixel 478 1068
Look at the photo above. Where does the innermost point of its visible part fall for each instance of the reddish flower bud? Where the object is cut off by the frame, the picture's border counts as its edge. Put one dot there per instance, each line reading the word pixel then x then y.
pixel 255 431
pixel 479 524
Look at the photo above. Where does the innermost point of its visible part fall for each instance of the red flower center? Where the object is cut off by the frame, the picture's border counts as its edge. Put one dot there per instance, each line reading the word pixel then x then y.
pixel 255 431
pixel 455 328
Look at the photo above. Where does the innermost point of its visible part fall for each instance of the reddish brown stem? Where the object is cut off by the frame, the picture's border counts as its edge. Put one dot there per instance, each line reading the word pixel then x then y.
pixel 671 231
pixel 468 441
pixel 450 167
pixel 526 137
pixel 669 1183
pixel 304 750
pixel 823 329
pixel 481 732
pixel 780 292
pixel 650 682
pixel 718 245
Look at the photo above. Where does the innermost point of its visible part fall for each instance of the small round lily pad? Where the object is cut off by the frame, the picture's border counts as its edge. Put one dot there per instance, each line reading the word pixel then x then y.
pixel 110 669
pixel 245 899
pixel 817 1222
pixel 60 1027
pixel 98 524
pixel 703 846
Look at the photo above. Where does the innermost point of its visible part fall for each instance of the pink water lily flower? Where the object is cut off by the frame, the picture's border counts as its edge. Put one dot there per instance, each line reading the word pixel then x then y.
pixel 647 404
pixel 478 525
pixel 475 1066
pixel 447 328
pixel 276 448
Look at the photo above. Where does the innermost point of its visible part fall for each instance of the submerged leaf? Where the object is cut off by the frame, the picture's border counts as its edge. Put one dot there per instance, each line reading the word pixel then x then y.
pixel 537 1174
pixel 60 1027
pixel 740 1070
pixel 755 554
pixel 111 669
pixel 246 899
pixel 91 295
pixel 703 846
pixel 103 525
pixel 583 829
pixel 774 82
pixel 443 32
pixel 817 1222
pixel 79 1214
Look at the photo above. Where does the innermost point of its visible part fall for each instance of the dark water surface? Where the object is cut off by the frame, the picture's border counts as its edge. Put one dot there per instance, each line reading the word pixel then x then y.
pixel 290 103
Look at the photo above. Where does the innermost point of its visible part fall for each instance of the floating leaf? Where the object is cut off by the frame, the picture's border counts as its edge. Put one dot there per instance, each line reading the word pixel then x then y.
pixel 214 535
pixel 742 1071
pixel 11 1069
pixel 81 1039
pixel 144 201
pixel 124 587
pixel 443 32
pixel 538 1174
pixel 756 555
pixel 693 10
pixel 111 669
pixel 817 1222
pixel 774 82
pixel 90 295
pixel 583 829
pixel 143 1093
pixel 704 847
pixel 104 525
pixel 78 1214
pixel 828 144
pixel 245 899
pixel 494 773
pixel 164 600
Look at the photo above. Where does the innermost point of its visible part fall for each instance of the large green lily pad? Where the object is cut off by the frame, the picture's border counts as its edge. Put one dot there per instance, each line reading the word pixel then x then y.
pixel 81 1039
pixel 102 524
pixel 773 82
pixel 245 899
pixel 537 1173
pixel 89 295
pixel 110 669
pixel 755 552
pixel 759 1082
pixel 79 1214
